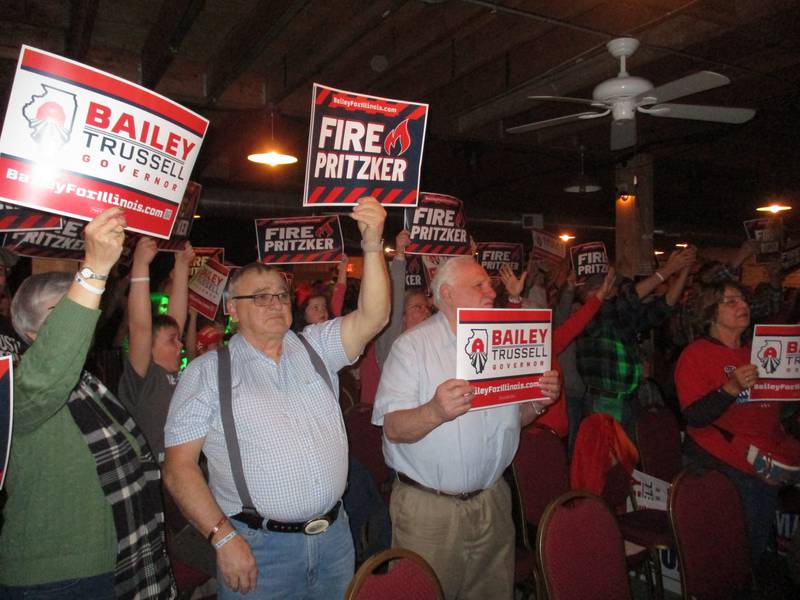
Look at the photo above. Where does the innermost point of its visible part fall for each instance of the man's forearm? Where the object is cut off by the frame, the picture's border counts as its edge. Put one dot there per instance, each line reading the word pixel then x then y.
pixel 410 425
pixel 373 298
pixel 190 491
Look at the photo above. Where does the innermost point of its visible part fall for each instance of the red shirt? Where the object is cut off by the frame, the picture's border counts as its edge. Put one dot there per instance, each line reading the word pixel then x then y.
pixel 704 366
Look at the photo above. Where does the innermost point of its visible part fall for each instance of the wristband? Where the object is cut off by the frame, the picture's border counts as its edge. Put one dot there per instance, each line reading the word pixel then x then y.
pixel 216 527
pixel 372 246
pixel 88 286
pixel 659 275
pixel 515 299
pixel 538 409
pixel 226 539
pixel 139 279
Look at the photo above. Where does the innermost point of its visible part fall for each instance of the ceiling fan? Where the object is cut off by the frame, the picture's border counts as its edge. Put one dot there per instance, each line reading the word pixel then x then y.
pixel 622 96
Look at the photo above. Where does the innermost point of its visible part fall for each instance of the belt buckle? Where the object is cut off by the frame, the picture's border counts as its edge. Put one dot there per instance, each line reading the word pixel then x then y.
pixel 316 526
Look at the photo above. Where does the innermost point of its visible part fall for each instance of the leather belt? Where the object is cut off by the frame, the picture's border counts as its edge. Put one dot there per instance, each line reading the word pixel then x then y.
pixel 311 527
pixel 408 481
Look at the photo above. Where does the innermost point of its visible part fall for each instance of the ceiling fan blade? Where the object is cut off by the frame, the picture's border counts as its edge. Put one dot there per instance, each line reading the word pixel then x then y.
pixel 623 134
pixel 697 112
pixel 588 101
pixel 557 121
pixel 685 86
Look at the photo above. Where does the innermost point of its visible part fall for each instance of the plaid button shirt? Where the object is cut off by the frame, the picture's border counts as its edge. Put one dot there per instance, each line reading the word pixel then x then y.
pixel 608 349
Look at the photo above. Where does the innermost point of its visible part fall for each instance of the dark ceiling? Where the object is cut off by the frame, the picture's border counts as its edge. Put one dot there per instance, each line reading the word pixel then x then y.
pixel 475 62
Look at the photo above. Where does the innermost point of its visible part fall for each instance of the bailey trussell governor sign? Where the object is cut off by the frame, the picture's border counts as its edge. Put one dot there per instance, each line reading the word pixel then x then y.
pixel 77 141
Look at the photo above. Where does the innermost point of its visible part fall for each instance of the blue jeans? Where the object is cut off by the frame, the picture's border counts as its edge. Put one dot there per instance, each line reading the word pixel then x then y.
pixel 295 566
pixel 99 587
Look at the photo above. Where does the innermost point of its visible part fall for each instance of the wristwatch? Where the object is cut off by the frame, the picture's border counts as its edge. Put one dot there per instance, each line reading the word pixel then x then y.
pixel 87 273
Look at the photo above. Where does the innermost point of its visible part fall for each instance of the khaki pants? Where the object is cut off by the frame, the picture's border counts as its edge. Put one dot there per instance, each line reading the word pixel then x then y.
pixel 469 544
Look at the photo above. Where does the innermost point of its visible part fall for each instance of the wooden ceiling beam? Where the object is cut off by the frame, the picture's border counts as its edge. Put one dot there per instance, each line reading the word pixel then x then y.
pixel 174 20
pixel 247 40
pixel 82 15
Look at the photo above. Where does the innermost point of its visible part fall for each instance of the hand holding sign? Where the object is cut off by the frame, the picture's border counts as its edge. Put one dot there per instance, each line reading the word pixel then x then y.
pixel 452 399
pixel 550 384
pixel 401 242
pixel 146 250
pixel 681 259
pixel 104 236
pixel 608 283
pixel 370 216
pixel 741 379
pixel 513 284
pixel 185 256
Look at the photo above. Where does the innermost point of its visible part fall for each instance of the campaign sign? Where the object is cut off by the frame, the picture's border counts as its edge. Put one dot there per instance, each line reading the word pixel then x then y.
pixel 547 247
pixel 776 352
pixel 77 140
pixel 184 221
pixel 503 353
pixel 415 273
pixel 206 287
pixel 66 242
pixel 587 260
pixel 790 258
pixel 493 255
pixel 298 240
pixel 362 145
pixel 437 226
pixel 202 255
pixel 18 218
pixel 6 412
pixel 768 234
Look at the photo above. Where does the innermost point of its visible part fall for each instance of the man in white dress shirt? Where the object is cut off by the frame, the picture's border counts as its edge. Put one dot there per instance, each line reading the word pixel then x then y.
pixel 450 503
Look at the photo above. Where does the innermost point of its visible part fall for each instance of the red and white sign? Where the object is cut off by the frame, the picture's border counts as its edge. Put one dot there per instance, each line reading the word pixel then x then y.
pixel 206 287
pixel 776 352
pixel 202 255
pixel 503 353
pixel 77 140
pixel 547 247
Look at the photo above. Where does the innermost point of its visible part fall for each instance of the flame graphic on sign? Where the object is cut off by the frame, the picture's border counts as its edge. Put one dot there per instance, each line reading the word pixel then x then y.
pixel 398 134
pixel 325 230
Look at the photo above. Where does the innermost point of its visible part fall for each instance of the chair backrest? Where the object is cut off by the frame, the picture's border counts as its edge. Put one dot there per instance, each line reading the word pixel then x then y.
pixel 708 522
pixel 581 552
pixel 659 441
pixel 617 488
pixel 366 441
pixel 541 471
pixel 409 577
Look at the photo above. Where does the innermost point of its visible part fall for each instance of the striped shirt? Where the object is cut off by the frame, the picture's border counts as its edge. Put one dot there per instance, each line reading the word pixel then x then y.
pixel 290 428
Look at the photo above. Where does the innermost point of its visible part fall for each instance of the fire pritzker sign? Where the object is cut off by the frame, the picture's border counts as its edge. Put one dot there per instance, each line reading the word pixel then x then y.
pixel 503 353
pixel 363 146
pixel 77 140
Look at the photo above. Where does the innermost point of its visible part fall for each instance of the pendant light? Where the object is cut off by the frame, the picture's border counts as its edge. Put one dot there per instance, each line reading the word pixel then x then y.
pixel 272 156
pixel 582 184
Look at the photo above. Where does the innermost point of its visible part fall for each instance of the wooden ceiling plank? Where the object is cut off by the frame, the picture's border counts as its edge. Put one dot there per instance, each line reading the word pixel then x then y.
pixel 247 40
pixel 82 16
pixel 174 20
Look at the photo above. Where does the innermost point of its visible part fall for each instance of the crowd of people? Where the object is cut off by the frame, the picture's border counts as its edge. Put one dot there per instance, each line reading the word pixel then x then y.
pixel 249 443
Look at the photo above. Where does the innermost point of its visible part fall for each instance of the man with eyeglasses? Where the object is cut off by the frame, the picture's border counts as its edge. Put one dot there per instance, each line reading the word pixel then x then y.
pixel 290 433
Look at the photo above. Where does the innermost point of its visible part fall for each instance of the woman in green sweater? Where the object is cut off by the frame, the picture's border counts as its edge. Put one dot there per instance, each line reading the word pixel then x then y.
pixel 84 516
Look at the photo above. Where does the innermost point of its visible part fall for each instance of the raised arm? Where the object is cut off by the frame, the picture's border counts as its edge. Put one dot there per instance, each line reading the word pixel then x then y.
pixel 677 261
pixel 372 314
pixel 179 296
pixel 140 319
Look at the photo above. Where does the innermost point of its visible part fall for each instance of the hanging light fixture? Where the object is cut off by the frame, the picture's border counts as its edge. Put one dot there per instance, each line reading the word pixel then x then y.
pixel 582 184
pixel 272 156
pixel 774 208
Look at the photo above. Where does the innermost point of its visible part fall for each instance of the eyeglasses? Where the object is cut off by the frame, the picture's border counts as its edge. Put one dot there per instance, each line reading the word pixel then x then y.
pixel 265 299
pixel 733 300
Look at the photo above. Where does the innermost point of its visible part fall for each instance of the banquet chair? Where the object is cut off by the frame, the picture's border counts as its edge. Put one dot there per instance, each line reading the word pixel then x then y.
pixel 580 550
pixel 658 439
pixel 708 522
pixel 366 444
pixel 541 474
pixel 409 577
